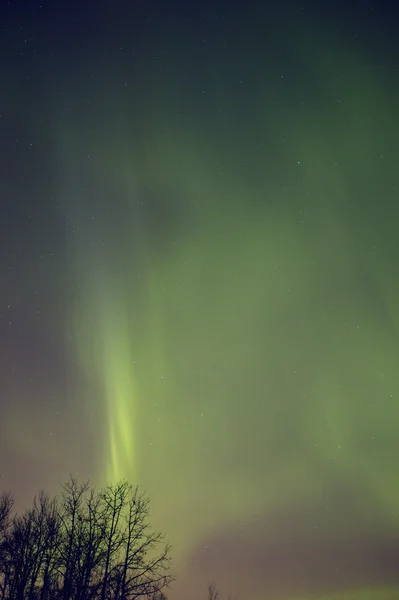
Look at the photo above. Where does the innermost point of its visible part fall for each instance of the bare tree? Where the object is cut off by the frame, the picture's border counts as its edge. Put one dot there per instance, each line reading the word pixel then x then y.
pixel 6 506
pixel 27 551
pixel 91 551
pixel 83 545
pixel 45 535
pixel 23 546
pixel 50 556
pixel 145 566
pixel 71 516
pixel 213 592
pixel 114 501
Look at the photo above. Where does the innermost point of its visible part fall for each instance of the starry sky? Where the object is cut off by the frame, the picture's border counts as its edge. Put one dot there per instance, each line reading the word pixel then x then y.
pixel 198 279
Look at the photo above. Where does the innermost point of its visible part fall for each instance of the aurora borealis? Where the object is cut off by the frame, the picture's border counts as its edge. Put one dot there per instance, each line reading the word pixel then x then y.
pixel 199 282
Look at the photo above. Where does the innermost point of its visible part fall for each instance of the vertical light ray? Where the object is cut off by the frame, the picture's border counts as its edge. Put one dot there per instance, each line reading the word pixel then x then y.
pixel 117 371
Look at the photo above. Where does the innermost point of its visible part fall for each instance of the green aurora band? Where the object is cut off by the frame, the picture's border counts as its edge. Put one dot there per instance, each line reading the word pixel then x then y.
pixel 243 354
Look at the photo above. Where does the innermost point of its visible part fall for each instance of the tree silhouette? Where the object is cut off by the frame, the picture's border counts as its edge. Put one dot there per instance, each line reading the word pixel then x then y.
pixel 6 506
pixel 213 592
pixel 83 545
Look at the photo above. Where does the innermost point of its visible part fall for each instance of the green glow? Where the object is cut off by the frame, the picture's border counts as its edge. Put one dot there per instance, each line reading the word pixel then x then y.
pixel 247 368
pixel 109 363
pixel 121 396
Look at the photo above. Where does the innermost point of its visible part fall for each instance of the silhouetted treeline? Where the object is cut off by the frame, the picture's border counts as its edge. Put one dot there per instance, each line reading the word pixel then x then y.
pixel 82 545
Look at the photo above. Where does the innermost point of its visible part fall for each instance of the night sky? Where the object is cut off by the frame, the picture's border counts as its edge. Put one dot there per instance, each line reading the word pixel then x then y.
pixel 199 281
